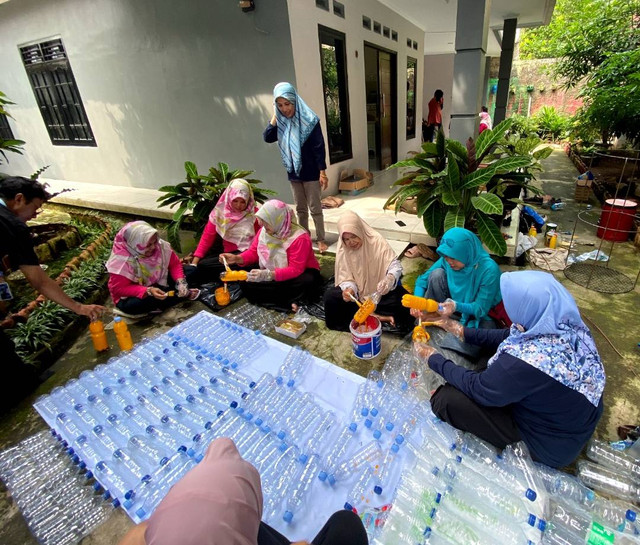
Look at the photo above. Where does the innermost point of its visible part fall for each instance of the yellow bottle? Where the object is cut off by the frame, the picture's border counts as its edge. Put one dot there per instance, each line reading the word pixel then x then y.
pixel 98 336
pixel 420 335
pixel 364 311
pixel 233 276
pixel 533 232
pixel 553 241
pixel 122 333
pixel 419 303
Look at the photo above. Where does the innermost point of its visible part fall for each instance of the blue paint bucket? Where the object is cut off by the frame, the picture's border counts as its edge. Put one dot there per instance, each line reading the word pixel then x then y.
pixel 366 344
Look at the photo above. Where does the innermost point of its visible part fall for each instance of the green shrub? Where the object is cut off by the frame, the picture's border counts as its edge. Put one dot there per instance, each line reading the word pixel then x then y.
pixel 552 124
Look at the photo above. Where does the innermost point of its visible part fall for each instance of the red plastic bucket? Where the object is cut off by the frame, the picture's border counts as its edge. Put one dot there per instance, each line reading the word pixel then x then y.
pixel 616 220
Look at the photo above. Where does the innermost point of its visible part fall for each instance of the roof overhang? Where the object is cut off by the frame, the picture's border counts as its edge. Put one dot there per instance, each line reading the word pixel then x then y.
pixel 438 20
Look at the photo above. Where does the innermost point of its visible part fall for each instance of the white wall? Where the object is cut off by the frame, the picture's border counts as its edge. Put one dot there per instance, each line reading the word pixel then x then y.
pixel 304 38
pixel 438 74
pixel 162 82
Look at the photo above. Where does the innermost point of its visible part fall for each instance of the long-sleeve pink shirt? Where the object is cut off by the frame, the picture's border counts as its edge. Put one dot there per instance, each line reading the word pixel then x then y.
pixel 300 257
pixel 209 236
pixel 120 286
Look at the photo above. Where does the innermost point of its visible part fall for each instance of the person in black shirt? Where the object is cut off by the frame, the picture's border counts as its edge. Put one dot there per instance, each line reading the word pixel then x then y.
pixel 20 201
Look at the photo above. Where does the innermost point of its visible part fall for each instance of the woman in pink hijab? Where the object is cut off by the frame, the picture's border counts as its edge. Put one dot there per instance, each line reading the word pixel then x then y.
pixel 219 502
pixel 284 269
pixel 231 228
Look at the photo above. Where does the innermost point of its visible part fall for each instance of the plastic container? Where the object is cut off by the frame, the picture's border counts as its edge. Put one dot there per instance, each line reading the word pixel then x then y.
pixel 98 336
pixel 366 344
pixel 122 334
pixel 616 220
pixel 419 303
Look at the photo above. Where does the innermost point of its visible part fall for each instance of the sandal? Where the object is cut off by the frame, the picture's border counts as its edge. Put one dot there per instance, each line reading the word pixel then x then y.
pixel 421 250
pixel 194 293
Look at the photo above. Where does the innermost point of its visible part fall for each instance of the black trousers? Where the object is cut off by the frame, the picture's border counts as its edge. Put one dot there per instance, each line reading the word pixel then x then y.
pixel 339 313
pixel 144 305
pixel 20 378
pixel 280 295
pixel 342 528
pixel 493 424
pixel 207 270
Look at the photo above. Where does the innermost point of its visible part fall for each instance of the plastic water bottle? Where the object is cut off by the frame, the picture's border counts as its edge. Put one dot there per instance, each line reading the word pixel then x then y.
pixel 360 491
pixel 122 333
pixel 103 441
pixel 340 447
pixel 146 448
pixel 164 399
pixel 212 399
pixel 132 465
pixel 601 452
pixel 233 389
pixel 119 483
pixel 135 418
pixel 617 515
pixel 367 454
pixel 88 452
pixel 447 435
pixel 417 414
pixel 184 429
pixel 568 487
pixel 177 388
pixel 608 481
pixel 115 399
pixel 164 437
pixel 85 416
pixel 65 423
pixel 318 437
pixel 301 488
pixel 192 416
pixel 386 467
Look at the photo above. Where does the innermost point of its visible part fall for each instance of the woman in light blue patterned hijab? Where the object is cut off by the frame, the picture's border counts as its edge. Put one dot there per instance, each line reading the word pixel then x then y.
pixel 549 334
pixel 293 131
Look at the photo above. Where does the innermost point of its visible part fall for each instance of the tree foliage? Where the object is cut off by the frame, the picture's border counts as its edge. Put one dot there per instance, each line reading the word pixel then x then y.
pixel 597 43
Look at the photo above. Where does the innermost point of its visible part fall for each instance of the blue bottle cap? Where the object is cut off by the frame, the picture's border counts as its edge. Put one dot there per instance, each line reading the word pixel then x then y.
pixel 630 515
pixel 279 380
pixel 96 486
pixel 252 384
pixel 281 435
pixel 290 383
pixel 389 426
pixel 199 458
pixel 191 399
pixel 374 412
pixel 377 434
pixel 191 452
pixel 348 506
pixel 88 475
pixel 234 404
pixel 353 427
pixel 287 517
pixel 364 411
pixel 115 503
pixel 395 448
pixel 331 479
pixel 531 520
pixel 259 421
pixel 322 476
pixel 282 447
pixel 377 489
pixel 140 513
pixel 92 398
pixel 128 504
pixel 530 495
pixel 182 448
pixel 177 408
pixel 265 429
pixel 303 458
pixel 542 525
pixel 368 423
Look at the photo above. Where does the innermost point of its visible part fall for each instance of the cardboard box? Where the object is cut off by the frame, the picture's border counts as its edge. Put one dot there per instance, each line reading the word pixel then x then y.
pixel 354 181
pixel 291 328
pixel 583 190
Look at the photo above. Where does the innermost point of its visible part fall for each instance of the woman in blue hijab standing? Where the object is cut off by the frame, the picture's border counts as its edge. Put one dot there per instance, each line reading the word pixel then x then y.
pixel 297 130
pixel 545 383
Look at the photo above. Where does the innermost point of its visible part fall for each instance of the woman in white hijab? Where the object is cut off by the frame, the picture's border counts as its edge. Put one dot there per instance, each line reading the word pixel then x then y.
pixel 365 264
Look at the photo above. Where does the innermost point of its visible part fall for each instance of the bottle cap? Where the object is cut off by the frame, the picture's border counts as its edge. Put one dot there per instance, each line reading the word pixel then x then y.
pixel 377 489
pixel 364 411
pixel 542 525
pixel 377 434
pixel 374 412
pixel 128 504
pixel 259 421
pixel 630 515
pixel 287 517
pixel 140 513
pixel 331 479
pixel 234 404
pixel 530 495
pixel 368 423
pixel 353 427
pixel 389 426
pixel 395 448
pixel 399 439
pixel 117 319
pixel 322 476
pixel 281 435
pixel 531 521
pixel 303 458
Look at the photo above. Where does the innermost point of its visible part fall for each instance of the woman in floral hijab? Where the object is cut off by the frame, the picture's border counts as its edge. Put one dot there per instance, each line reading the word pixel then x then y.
pixel 288 271
pixel 231 222
pixel 545 383
pixel 145 274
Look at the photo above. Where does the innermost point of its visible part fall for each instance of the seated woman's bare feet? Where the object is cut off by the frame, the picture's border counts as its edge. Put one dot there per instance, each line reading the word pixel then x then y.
pixel 421 250
pixel 322 246
pixel 294 307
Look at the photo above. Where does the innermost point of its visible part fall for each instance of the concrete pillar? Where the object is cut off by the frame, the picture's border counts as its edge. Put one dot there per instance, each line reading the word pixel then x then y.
pixel 504 73
pixel 472 27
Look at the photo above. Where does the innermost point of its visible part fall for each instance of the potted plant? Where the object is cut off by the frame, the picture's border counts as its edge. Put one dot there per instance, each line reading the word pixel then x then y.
pixel 199 193
pixel 458 186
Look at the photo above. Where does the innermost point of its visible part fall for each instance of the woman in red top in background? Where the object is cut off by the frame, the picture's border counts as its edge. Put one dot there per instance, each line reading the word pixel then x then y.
pixel 288 271
pixel 231 221
pixel 143 270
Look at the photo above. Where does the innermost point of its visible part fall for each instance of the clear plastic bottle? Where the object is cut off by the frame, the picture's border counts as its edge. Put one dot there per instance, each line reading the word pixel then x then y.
pixel 301 488
pixel 122 334
pixel 367 454
pixel 135 467
pixel 148 449
pixel 601 452
pixel 340 447
pixel 608 481
pixel 318 437
pixel 360 491
pixel 387 465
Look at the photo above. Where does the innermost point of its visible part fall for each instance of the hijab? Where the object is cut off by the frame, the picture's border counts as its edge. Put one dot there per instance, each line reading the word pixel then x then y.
pixel 464 246
pixel 293 132
pixel 233 226
pixel 218 502
pixel 549 334
pixel 272 249
pixel 367 265
pixel 486 119
pixel 127 256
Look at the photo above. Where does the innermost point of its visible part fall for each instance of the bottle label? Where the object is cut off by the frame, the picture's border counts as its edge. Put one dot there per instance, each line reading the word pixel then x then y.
pixel 599 535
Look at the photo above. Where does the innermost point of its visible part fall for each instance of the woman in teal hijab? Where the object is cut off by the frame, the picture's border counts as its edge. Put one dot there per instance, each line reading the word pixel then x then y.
pixel 465 278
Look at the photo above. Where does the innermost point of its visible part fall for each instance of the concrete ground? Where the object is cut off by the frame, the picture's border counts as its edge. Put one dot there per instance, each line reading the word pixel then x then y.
pixel 612 319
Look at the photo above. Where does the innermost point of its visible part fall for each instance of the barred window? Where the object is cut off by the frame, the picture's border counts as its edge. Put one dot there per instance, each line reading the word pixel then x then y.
pixel 57 94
